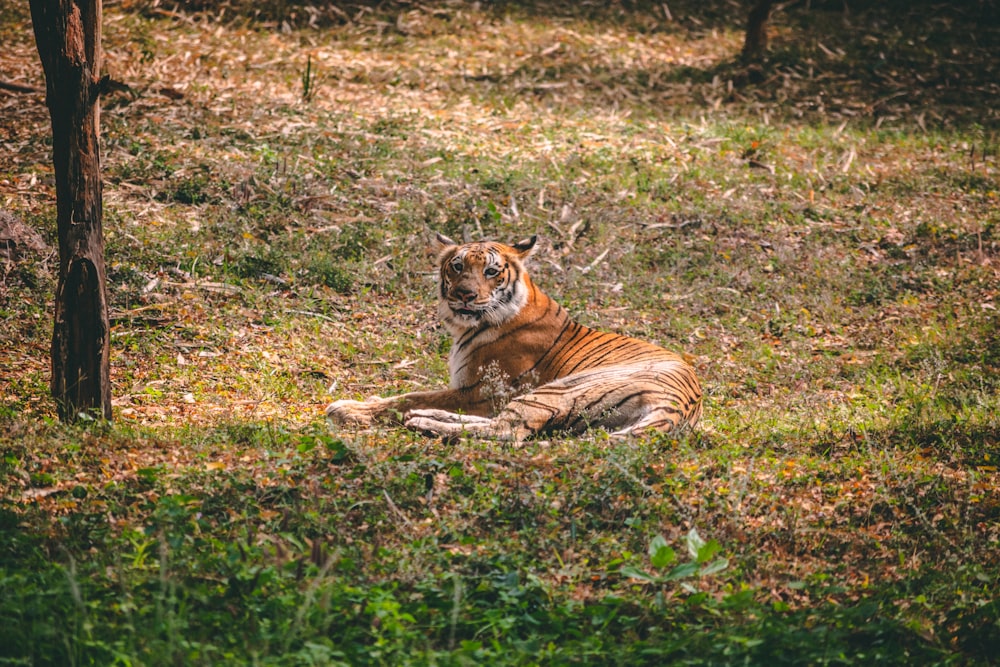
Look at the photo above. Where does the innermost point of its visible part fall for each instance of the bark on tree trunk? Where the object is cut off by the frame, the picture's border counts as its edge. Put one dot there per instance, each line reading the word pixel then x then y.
pixel 68 37
pixel 755 44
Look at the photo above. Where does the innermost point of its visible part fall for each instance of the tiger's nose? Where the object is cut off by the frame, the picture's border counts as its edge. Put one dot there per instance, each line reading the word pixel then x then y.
pixel 465 294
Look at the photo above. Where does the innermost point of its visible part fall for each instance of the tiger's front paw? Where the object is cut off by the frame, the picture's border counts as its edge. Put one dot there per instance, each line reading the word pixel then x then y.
pixel 355 413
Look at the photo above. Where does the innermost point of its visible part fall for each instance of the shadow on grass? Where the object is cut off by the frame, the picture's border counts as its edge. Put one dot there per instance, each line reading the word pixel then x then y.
pixel 970 444
pixel 917 64
pixel 183 598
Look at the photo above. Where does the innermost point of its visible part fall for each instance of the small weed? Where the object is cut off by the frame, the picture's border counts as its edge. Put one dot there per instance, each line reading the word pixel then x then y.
pixel 191 190
pixel 331 272
pixel 258 265
pixel 308 80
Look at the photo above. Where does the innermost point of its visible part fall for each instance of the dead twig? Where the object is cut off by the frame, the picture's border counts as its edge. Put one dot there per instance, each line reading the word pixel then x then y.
pixel 395 510
pixel 19 87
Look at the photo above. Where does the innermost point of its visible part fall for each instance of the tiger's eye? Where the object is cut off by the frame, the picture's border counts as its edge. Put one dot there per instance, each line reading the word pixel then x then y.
pixel 456 265
pixel 491 272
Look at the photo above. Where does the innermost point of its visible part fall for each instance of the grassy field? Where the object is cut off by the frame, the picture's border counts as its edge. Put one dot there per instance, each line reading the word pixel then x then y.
pixel 820 234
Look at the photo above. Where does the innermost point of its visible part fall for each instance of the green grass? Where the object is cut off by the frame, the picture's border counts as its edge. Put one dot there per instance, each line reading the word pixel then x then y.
pixel 823 249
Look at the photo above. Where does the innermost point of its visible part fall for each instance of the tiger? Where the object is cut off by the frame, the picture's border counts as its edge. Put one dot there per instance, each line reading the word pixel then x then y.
pixel 511 340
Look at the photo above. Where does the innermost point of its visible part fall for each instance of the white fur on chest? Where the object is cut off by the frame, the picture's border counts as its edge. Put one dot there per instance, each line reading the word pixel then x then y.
pixel 461 372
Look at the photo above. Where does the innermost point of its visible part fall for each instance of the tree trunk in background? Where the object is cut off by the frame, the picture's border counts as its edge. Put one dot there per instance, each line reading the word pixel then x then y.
pixel 755 44
pixel 68 37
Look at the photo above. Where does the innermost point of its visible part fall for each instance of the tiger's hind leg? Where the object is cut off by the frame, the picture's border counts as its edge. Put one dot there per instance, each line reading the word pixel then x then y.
pixel 547 408
pixel 442 422
pixel 658 419
pixel 624 399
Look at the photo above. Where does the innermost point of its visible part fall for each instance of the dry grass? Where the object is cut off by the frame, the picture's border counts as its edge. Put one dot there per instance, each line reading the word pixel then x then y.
pixel 821 239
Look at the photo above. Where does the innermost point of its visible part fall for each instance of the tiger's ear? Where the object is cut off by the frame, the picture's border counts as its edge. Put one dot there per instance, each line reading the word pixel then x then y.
pixel 526 247
pixel 439 245
pixel 441 241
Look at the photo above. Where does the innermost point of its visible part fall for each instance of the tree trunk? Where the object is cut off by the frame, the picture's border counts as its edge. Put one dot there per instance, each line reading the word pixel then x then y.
pixel 68 37
pixel 755 44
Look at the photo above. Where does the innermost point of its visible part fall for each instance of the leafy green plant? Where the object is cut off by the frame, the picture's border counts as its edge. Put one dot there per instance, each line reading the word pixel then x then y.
pixel 663 558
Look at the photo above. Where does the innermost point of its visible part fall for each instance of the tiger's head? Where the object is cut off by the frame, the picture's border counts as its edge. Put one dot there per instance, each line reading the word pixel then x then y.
pixel 481 283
